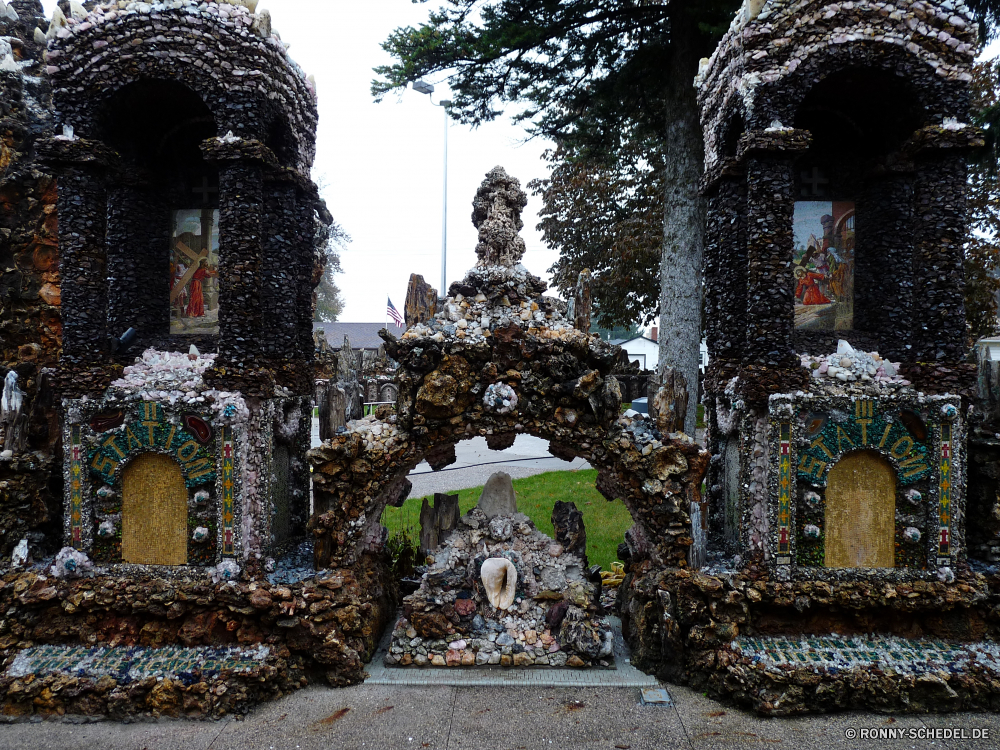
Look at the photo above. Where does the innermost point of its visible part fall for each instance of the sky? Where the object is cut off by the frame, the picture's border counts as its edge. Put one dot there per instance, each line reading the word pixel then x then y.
pixel 382 164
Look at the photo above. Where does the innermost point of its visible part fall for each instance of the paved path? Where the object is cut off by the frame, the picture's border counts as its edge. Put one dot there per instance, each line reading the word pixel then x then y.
pixel 476 462
pixel 379 717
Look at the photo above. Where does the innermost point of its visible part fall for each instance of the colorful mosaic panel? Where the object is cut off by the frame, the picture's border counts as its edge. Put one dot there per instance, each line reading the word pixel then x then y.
pixel 944 495
pixel 887 653
pixel 76 489
pixel 867 429
pixel 149 430
pixel 785 495
pixel 126 664
pixel 228 491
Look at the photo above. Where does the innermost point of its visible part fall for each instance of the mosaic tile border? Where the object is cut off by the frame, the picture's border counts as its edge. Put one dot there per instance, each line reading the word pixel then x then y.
pixel 127 664
pixel 887 653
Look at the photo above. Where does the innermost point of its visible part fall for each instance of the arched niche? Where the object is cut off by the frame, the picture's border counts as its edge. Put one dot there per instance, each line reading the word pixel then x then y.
pixel 154 511
pixel 852 219
pixel 860 522
pixel 163 218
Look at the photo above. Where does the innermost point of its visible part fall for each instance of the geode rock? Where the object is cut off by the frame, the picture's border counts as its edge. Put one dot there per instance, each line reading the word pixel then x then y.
pixel 578 634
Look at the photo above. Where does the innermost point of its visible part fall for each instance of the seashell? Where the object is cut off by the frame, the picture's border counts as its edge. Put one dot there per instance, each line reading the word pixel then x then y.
pixel 499 578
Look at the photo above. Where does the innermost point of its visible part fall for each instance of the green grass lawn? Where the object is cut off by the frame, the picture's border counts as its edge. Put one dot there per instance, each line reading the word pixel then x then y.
pixel 606 522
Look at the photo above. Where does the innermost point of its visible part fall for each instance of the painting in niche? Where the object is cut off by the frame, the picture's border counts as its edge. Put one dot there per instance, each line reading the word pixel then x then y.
pixel 823 264
pixel 194 272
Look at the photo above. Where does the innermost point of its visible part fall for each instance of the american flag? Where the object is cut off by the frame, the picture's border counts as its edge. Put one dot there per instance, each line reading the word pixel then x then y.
pixel 394 314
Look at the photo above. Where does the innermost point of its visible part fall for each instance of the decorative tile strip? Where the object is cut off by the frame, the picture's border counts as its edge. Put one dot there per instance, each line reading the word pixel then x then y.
pixel 785 495
pixel 127 664
pixel 76 488
pixel 889 653
pixel 228 481
pixel 944 493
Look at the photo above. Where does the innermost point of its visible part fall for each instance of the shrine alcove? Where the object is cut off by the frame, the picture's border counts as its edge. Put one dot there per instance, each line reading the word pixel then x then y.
pixel 154 512
pixel 861 512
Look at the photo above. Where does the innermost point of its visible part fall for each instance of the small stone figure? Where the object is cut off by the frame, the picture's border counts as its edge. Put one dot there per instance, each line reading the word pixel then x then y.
pixel 497 215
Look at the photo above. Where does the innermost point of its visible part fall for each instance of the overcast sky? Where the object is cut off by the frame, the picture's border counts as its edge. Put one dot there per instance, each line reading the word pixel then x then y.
pixel 382 163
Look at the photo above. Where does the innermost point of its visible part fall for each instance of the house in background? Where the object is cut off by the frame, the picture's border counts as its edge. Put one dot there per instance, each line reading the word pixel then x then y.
pixel 645 350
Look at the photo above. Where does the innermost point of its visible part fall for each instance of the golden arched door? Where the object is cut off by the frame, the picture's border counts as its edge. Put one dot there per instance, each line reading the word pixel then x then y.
pixel 154 511
pixel 861 513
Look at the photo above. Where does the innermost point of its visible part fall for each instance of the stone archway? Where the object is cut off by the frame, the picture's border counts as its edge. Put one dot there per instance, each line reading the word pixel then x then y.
pixel 861 512
pixel 154 511
pixel 499 359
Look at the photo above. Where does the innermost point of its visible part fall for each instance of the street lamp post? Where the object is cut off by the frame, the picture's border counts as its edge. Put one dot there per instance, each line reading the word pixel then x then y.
pixel 422 87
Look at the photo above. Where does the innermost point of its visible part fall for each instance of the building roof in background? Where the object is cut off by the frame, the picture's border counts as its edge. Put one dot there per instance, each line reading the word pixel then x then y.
pixel 362 335
pixel 622 342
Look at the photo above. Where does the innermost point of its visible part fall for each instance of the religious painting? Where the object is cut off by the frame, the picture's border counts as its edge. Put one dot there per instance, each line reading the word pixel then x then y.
pixel 194 272
pixel 823 265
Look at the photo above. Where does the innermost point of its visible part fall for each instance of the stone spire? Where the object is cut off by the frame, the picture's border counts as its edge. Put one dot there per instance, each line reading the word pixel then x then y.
pixel 496 213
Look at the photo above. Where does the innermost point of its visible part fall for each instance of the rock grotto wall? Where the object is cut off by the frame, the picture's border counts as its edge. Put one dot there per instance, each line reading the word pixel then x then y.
pixel 686 625
pixel 30 319
pixel 321 629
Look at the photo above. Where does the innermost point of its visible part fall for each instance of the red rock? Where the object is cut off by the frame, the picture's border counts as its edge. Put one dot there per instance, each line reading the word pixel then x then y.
pixel 465 607
pixel 453 658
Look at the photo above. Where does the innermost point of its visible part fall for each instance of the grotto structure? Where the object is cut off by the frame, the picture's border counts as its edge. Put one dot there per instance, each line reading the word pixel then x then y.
pixel 496 359
pixel 838 391
pixel 156 421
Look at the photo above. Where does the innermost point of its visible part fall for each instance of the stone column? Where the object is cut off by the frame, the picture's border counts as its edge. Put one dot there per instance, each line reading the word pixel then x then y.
pixel 82 167
pixel 769 160
pixel 305 253
pixel 938 319
pixel 241 364
pixel 725 271
pixel 883 277
pixel 280 272
pixel 138 237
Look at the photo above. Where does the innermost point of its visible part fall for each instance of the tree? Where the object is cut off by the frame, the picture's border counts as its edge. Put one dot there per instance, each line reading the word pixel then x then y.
pixel 605 214
pixel 586 72
pixel 330 240
pixel 982 252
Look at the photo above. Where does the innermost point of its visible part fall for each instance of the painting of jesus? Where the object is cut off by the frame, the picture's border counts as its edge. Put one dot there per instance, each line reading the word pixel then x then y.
pixel 194 275
pixel 823 265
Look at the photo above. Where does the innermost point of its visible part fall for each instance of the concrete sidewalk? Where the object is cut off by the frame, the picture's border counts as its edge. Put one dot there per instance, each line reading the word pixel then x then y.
pixel 376 717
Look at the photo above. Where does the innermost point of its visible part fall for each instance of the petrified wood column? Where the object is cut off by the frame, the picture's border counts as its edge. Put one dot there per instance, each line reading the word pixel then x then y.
pixel 280 268
pixel 138 235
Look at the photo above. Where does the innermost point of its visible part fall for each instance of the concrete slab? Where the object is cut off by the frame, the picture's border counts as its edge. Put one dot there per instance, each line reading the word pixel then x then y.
pixel 369 717
pixel 709 724
pixel 562 720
